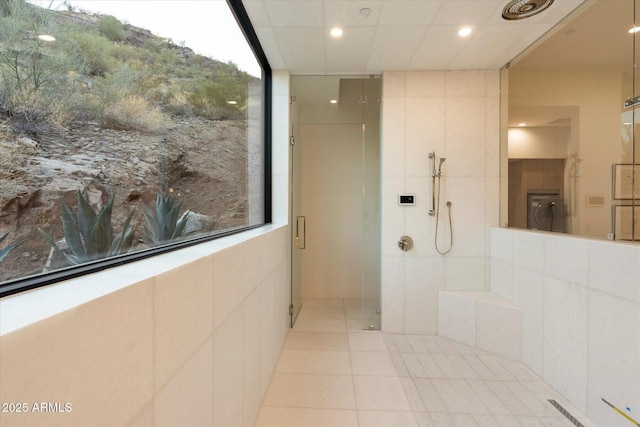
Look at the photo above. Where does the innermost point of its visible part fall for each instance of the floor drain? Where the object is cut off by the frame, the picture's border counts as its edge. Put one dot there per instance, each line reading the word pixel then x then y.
pixel 566 413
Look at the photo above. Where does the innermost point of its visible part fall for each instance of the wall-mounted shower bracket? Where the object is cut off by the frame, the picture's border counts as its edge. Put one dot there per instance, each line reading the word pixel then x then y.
pixel 432 157
pixel 435 175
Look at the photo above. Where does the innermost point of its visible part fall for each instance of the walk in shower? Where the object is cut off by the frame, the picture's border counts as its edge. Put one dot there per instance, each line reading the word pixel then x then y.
pixel 335 192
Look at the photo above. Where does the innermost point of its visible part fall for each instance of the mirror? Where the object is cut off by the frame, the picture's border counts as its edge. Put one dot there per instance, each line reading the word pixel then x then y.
pixel 567 137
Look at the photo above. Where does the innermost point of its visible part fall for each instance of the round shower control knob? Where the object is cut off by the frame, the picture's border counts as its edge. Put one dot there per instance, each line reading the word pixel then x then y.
pixel 405 243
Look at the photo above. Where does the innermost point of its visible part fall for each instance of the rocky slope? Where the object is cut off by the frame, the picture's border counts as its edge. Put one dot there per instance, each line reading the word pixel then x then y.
pixel 202 162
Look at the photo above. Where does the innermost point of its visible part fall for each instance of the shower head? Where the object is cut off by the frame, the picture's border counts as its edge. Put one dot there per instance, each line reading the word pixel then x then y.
pixel 442 159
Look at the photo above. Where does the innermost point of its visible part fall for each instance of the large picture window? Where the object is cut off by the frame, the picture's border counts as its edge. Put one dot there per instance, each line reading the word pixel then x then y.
pixel 126 129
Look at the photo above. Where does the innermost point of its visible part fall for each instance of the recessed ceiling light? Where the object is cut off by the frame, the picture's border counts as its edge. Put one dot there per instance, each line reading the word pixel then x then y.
pixel 334 101
pixel 232 102
pixel 464 31
pixel 522 124
pixel 336 32
pixel 46 38
pixel 634 30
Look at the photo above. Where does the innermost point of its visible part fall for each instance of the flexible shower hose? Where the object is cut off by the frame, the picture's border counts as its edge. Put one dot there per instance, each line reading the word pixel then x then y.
pixel 437 223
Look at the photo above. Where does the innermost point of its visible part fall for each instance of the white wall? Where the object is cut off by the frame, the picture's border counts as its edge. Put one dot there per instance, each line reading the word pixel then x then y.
pixel 186 338
pixel 539 142
pixel 455 114
pixel 581 315
pixel 193 343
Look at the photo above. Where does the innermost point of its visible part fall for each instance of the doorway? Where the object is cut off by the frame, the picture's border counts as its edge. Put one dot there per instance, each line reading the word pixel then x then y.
pixel 335 193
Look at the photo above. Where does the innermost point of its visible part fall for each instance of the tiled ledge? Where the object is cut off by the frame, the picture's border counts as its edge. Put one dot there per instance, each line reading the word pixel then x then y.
pixel 27 308
pixel 482 320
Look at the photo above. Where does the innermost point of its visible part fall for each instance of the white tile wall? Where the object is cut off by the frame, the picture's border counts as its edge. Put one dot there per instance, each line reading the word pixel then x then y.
pixel 152 354
pixel 457 316
pixel 90 357
pixel 528 293
pixel 455 114
pixel 499 327
pixel 581 314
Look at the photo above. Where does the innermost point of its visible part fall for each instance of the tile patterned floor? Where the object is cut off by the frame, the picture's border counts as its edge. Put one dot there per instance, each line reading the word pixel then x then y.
pixel 331 373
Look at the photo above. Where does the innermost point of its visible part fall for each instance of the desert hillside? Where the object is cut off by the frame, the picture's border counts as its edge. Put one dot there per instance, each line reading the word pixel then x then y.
pixel 108 109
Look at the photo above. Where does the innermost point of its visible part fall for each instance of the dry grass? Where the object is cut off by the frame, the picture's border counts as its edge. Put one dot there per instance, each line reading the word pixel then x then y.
pixel 14 153
pixel 132 112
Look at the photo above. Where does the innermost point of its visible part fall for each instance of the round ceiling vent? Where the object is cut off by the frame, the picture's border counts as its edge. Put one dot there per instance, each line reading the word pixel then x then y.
pixel 520 9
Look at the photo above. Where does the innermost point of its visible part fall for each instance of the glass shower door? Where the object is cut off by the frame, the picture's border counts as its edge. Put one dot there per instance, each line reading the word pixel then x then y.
pixel 335 194
pixel 298 226
pixel 371 207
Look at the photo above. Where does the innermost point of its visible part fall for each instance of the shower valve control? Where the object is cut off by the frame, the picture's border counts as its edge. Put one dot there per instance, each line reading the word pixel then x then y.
pixel 405 243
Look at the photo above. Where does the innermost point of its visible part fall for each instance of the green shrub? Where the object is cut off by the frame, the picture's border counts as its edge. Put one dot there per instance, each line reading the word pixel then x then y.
pixel 127 54
pixel 152 46
pixel 110 27
pixel 210 98
pixel 93 53
pixel 89 234
pixel 28 65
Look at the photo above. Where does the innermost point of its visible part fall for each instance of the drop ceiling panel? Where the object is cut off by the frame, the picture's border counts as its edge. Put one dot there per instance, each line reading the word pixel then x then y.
pixel 500 37
pixel 393 47
pixel 301 48
pixel 295 13
pixel 257 13
pixel 347 13
pixel 438 49
pixel 399 35
pixel 465 12
pixel 271 47
pixel 343 58
pixel 408 13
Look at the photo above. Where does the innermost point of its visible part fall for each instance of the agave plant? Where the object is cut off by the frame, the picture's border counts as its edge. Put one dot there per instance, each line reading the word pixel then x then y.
pixel 5 251
pixel 90 235
pixel 163 224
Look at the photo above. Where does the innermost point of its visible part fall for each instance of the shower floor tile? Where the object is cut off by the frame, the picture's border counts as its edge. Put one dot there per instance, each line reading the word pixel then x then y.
pixel 332 373
pixel 314 362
